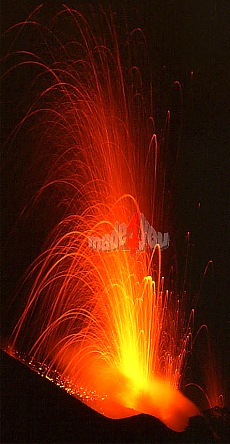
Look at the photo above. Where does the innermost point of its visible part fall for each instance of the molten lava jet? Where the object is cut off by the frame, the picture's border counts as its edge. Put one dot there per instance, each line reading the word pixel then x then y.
pixel 101 317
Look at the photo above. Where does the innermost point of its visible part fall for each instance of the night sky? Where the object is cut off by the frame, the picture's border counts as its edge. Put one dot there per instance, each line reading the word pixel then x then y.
pixel 188 41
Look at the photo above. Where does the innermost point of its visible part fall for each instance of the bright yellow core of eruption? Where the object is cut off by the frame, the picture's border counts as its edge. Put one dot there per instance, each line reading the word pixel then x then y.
pixel 126 342
pixel 132 351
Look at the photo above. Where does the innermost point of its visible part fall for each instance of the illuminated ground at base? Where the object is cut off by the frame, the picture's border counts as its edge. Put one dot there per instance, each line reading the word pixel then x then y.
pixel 159 400
pixel 48 414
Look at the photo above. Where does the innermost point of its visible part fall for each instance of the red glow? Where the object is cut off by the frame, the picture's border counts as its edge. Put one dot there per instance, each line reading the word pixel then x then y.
pixel 104 320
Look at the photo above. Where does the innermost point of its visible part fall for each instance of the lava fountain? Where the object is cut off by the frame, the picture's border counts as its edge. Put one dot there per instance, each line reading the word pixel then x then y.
pixel 99 314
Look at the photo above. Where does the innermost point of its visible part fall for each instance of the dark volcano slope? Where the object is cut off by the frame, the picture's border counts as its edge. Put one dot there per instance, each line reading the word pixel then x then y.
pixel 36 411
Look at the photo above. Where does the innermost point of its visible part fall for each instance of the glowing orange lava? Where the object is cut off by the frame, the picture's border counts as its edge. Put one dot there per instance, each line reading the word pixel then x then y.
pixel 103 319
